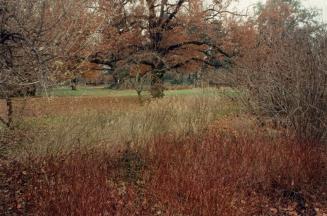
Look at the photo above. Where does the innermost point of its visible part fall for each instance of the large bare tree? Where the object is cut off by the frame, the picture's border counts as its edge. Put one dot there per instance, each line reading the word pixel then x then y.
pixel 163 35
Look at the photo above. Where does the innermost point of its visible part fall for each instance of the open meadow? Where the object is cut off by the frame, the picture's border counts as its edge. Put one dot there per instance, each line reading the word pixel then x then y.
pixel 194 152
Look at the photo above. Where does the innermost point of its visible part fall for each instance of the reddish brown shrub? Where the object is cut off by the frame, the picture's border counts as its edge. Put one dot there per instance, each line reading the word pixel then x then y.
pixel 228 175
pixel 75 184
pixel 219 173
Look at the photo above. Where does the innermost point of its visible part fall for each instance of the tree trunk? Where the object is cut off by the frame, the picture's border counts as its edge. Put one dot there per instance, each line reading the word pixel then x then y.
pixel 10 112
pixel 157 87
pixel 31 91
pixel 74 88
pixel 115 84
pixel 73 84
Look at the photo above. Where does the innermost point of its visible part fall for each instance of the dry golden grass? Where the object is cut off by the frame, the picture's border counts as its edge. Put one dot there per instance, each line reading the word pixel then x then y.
pixel 118 122
pixel 42 106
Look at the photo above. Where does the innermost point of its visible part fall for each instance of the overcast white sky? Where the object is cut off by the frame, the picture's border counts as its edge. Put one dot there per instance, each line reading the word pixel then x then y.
pixel 319 4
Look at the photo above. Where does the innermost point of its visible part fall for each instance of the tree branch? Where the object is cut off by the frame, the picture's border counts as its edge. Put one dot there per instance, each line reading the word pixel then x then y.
pixel 180 64
pixel 198 43
pixel 3 121
pixel 173 14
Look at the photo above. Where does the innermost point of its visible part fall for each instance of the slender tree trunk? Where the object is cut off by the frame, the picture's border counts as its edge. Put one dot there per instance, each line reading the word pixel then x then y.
pixel 31 91
pixel 73 84
pixel 74 88
pixel 157 87
pixel 10 113
pixel 116 83
pixel 139 95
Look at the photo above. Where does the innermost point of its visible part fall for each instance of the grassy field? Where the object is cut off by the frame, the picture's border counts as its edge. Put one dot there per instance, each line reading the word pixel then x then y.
pixel 102 91
pixel 90 91
pixel 64 101
pixel 96 151
pixel 116 118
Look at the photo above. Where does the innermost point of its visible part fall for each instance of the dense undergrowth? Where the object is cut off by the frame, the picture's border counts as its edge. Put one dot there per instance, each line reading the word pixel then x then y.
pixel 215 173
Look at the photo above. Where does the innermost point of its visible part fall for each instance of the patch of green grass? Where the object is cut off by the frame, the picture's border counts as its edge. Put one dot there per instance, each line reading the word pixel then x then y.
pixel 90 91
pixel 194 91
pixel 101 91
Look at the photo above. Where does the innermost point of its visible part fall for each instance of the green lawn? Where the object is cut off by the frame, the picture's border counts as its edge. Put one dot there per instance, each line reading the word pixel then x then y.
pixel 101 91
pixel 90 91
